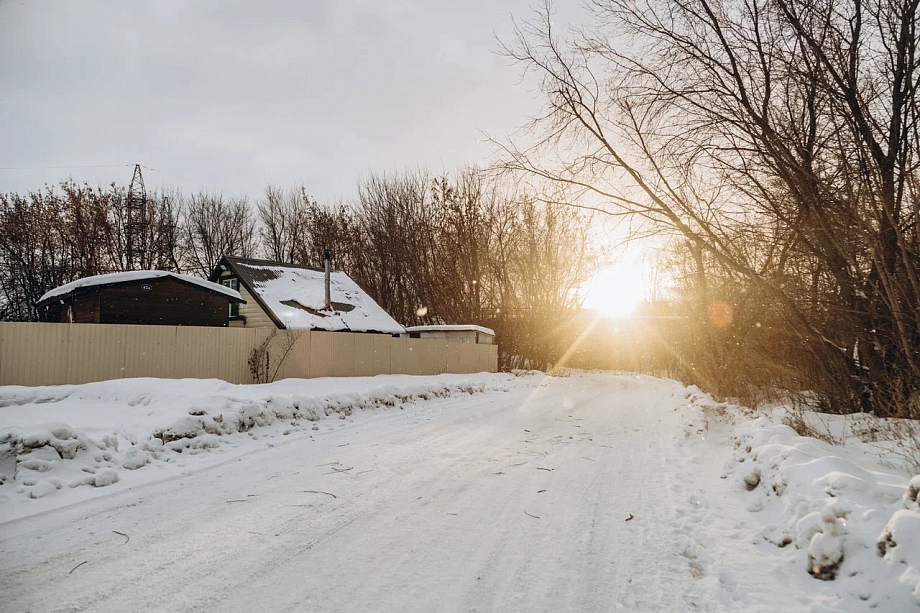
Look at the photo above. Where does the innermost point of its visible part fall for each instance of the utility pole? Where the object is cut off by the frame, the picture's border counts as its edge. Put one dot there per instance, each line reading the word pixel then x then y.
pixel 327 257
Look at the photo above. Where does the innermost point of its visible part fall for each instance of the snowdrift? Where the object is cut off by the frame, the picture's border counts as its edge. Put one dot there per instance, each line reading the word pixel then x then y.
pixel 61 437
pixel 835 508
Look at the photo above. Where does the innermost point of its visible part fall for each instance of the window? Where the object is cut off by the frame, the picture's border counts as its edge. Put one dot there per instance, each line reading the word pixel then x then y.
pixel 234 284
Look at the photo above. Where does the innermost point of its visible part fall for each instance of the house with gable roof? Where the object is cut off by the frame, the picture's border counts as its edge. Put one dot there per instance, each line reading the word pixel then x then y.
pixel 293 297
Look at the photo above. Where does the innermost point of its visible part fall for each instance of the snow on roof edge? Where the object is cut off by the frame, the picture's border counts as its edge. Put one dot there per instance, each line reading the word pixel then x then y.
pixel 451 328
pixel 136 275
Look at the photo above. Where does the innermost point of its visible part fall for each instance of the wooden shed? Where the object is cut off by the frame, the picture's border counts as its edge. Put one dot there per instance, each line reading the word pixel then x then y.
pixel 152 297
pixel 459 333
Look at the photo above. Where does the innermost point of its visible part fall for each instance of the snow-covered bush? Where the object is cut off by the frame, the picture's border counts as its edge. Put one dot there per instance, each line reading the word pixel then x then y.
pixel 843 519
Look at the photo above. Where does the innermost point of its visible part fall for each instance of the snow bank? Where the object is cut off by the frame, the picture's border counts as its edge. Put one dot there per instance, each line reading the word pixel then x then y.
pixel 56 438
pixel 842 515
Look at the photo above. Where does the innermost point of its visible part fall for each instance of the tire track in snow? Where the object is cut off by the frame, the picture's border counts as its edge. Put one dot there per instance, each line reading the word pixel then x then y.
pixel 454 488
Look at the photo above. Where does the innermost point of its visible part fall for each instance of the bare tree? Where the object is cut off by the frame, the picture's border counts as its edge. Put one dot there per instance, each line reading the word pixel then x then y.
pixel 48 238
pixel 777 138
pixel 392 218
pixel 284 217
pixel 214 226
pixel 157 243
pixel 469 249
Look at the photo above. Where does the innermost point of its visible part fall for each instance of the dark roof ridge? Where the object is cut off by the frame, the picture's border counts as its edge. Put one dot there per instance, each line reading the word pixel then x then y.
pixel 256 261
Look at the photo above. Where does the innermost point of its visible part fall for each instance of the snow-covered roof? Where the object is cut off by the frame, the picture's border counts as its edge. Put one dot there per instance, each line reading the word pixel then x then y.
pixel 296 297
pixel 452 328
pixel 113 278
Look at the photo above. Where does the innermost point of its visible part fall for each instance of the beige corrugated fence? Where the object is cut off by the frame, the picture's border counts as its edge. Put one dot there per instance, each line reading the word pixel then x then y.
pixel 52 353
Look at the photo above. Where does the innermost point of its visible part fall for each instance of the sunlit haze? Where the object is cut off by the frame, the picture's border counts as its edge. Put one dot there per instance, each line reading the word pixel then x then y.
pixel 617 290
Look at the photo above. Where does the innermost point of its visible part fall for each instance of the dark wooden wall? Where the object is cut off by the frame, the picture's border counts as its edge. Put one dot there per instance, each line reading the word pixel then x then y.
pixel 85 309
pixel 54 313
pixel 168 303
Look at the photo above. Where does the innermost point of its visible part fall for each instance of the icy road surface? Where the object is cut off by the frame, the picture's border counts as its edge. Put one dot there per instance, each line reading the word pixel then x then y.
pixel 577 494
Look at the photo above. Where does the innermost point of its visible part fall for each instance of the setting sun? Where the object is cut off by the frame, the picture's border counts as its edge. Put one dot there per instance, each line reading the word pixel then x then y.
pixel 616 291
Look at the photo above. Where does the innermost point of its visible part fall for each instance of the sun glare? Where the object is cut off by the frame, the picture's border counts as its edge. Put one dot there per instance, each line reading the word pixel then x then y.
pixel 616 291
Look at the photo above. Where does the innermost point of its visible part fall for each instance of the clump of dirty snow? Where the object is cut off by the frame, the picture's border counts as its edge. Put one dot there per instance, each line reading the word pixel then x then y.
pixel 702 409
pixel 899 542
pixel 42 458
pixel 825 551
pixel 134 458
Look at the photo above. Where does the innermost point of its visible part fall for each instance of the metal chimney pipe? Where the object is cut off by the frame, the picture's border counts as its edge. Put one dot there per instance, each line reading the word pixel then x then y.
pixel 328 257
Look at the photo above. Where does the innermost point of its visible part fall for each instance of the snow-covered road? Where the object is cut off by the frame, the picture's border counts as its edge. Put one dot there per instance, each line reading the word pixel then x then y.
pixel 576 494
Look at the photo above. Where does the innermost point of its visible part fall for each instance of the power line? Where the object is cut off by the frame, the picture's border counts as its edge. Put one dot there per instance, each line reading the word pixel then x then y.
pixel 95 270
pixel 65 167
pixel 166 174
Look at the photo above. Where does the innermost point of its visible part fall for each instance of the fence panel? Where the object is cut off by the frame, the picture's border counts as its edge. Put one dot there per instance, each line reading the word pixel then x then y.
pixel 440 358
pixel 297 363
pixel 453 357
pixel 196 348
pixel 365 363
pixel 382 354
pixel 152 351
pixel 54 353
pixel 415 356
pixel 399 356
pixel 322 350
pixel 343 354
pixel 489 359
pixel 29 359
pixel 233 353
pixel 430 347
pixel 94 352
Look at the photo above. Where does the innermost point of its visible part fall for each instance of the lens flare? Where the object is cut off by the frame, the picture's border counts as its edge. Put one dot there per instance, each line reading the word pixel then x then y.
pixel 721 314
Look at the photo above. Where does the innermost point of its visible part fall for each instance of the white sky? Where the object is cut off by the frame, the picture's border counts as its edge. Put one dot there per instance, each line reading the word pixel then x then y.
pixel 232 95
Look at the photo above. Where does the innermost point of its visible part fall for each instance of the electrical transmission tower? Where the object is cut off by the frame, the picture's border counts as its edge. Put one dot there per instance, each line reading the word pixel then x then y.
pixel 136 221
